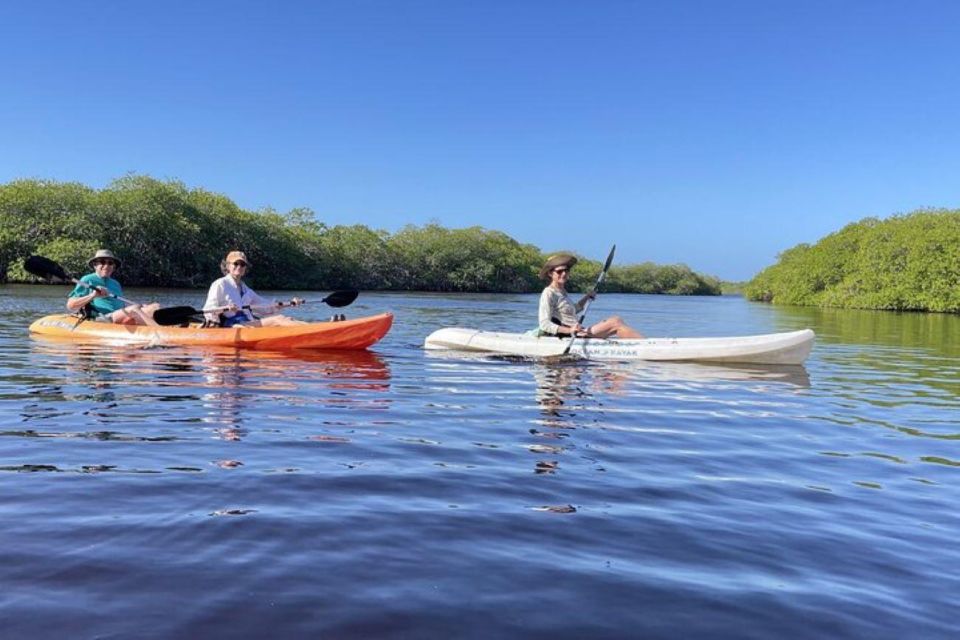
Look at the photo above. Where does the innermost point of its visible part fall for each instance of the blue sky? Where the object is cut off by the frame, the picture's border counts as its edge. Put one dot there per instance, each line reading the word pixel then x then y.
pixel 714 133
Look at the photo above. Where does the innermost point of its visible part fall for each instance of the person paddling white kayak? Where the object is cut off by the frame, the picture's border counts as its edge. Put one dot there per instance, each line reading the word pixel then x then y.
pixel 558 313
pixel 229 299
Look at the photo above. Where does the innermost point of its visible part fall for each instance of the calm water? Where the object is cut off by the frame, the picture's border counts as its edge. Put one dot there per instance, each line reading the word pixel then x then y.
pixel 172 493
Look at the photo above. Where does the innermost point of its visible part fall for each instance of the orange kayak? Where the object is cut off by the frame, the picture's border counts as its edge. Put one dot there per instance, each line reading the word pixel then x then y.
pixel 345 334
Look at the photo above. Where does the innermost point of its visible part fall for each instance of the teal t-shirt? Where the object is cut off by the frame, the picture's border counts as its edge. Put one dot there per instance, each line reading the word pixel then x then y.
pixel 100 306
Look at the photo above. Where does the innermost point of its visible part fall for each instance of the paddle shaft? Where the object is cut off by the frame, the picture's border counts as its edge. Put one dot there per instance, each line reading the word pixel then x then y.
pixel 109 295
pixel 596 288
pixel 335 299
pixel 249 307
pixel 176 315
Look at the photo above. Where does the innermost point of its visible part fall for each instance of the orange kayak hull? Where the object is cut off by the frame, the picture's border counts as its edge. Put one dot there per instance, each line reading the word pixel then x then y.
pixel 358 333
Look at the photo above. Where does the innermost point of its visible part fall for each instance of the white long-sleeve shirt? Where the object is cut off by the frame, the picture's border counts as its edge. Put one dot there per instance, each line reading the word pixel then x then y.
pixel 227 291
pixel 556 304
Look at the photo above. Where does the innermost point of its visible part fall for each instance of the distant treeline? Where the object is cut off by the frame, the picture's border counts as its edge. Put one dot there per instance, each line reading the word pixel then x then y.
pixel 908 262
pixel 169 235
pixel 729 287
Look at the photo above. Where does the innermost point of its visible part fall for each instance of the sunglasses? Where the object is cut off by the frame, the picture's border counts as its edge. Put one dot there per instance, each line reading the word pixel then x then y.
pixel 562 270
pixel 240 263
pixel 106 263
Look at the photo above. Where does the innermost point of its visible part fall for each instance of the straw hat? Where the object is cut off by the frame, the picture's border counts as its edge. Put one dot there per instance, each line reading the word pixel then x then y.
pixel 103 254
pixel 559 260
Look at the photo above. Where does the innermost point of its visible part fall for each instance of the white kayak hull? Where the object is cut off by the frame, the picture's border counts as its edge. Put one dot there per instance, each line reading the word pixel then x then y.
pixel 772 348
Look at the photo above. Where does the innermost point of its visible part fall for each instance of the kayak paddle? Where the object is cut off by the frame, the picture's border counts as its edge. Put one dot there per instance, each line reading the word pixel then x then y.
pixel 178 315
pixel 335 299
pixel 171 316
pixel 49 270
pixel 596 287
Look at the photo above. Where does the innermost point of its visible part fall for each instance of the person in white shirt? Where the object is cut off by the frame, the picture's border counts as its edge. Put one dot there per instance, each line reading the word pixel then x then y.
pixel 558 313
pixel 229 300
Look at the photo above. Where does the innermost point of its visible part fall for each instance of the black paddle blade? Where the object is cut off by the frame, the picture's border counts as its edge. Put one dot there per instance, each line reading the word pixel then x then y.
pixel 341 298
pixel 170 316
pixel 44 268
pixel 609 261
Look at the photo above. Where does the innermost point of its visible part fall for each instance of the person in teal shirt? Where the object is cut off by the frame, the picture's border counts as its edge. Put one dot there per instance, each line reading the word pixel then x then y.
pixel 101 294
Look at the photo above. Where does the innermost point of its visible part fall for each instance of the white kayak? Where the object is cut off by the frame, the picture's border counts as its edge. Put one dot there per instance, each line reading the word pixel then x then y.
pixel 773 348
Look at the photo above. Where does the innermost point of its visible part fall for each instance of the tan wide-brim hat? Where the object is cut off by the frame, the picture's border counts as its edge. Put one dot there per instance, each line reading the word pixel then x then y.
pixel 103 254
pixel 559 260
pixel 233 256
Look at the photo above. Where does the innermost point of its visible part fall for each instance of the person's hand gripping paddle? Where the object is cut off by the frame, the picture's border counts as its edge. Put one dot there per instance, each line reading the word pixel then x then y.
pixel 596 288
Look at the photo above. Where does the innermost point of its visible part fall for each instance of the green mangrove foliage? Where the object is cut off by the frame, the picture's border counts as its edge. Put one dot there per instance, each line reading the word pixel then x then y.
pixel 908 263
pixel 170 235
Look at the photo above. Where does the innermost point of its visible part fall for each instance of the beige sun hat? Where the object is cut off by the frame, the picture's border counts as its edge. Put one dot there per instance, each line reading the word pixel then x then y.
pixel 233 256
pixel 558 260
pixel 103 254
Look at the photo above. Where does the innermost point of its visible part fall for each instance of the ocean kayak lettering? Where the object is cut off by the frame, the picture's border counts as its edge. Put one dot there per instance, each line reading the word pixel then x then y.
pixel 612 352
pixel 60 324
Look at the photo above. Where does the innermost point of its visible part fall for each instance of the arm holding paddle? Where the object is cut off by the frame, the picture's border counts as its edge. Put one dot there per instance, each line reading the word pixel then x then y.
pixel 178 315
pixel 609 327
pixel 587 298
pixel 230 300
pixel 97 292
pixel 79 301
pixel 267 306
pixel 212 313
pixel 559 315
pixel 97 295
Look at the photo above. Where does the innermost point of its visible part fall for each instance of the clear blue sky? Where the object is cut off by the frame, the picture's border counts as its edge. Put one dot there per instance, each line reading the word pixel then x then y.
pixel 713 133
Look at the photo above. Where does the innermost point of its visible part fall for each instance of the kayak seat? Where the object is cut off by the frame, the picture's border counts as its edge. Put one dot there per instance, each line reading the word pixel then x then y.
pixel 537 332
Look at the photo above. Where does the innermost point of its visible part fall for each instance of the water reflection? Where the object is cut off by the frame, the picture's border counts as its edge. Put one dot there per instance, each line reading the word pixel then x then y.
pixel 191 401
pixel 235 379
pixel 794 375
pixel 223 404
pixel 228 386
pixel 934 333
pixel 579 394
pixel 96 375
pixel 570 395
pixel 649 480
pixel 557 386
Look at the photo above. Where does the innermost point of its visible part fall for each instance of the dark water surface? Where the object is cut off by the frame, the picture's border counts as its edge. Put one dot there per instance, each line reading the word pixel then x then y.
pixel 181 493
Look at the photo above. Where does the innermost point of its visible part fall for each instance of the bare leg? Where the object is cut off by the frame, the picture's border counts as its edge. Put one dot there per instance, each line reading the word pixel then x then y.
pixel 279 321
pixel 271 321
pixel 147 311
pixel 614 326
pixel 135 314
